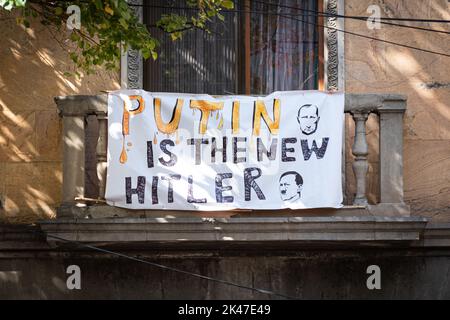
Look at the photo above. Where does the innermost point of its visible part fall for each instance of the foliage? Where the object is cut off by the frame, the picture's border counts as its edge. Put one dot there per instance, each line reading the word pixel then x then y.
pixel 109 25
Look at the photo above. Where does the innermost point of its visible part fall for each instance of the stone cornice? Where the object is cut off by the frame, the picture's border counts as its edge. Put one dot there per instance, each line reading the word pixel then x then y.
pixel 238 230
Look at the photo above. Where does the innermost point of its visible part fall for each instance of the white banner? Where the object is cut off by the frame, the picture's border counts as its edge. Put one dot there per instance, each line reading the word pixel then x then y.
pixel 196 152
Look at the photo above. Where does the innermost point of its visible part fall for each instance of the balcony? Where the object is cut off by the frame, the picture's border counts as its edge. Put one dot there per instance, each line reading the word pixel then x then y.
pixel 84 216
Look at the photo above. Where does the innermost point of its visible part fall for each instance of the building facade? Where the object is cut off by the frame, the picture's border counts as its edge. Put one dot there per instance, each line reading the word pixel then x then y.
pixel 397 210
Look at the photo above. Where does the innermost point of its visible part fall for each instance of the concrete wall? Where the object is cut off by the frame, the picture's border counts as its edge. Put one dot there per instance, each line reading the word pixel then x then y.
pixel 32 67
pixel 318 274
pixel 373 66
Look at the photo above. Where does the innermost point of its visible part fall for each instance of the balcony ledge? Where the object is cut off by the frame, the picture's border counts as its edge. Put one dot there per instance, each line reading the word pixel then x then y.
pixel 236 230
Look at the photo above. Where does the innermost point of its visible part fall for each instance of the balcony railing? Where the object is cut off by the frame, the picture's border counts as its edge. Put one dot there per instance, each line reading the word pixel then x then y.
pixel 85 130
pixel 84 216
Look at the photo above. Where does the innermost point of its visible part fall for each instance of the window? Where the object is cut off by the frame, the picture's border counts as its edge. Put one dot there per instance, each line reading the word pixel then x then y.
pixel 260 47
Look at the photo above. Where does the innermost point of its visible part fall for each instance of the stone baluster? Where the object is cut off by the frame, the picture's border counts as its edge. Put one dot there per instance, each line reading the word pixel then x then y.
pixel 360 151
pixel 101 153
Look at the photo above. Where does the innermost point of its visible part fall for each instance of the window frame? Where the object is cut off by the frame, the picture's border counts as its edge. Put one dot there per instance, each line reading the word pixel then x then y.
pixel 244 85
pixel 331 52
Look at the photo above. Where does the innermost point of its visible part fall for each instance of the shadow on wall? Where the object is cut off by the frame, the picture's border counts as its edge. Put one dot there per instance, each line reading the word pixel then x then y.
pixel 32 72
pixel 373 66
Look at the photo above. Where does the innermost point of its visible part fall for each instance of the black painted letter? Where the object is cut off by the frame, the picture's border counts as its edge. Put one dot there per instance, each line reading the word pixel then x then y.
pixel 320 153
pixel 271 154
pixel 150 163
pixel 140 189
pixel 173 158
pixel 190 197
pixel 214 149
pixel 197 143
pixel 169 178
pixel 284 150
pixel 237 159
pixel 220 188
pixel 155 190
pixel 249 183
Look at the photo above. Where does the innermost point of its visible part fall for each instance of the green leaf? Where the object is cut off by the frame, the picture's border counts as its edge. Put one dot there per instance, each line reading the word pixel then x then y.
pixel 145 54
pixel 227 4
pixel 109 11
pixel 6 4
pixel 109 25
pixel 123 23
pixel 11 4
pixel 98 4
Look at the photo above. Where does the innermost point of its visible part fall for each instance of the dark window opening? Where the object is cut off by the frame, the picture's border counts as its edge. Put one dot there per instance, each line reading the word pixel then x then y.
pixel 260 47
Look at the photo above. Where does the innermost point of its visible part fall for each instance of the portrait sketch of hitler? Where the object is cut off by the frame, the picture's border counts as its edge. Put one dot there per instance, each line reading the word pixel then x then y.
pixel 291 184
pixel 308 118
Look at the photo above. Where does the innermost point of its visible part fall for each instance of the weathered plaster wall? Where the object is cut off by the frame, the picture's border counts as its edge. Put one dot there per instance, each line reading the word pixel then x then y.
pixel 303 274
pixel 32 67
pixel 373 66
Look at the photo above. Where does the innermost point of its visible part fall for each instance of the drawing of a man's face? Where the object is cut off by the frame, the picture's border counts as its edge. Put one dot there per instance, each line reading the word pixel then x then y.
pixel 308 118
pixel 290 186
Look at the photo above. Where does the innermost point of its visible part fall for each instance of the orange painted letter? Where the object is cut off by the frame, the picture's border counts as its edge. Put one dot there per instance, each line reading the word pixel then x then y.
pixel 205 107
pixel 260 111
pixel 172 125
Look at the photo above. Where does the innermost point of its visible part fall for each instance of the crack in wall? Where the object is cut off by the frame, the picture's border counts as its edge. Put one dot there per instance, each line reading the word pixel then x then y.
pixel 435 85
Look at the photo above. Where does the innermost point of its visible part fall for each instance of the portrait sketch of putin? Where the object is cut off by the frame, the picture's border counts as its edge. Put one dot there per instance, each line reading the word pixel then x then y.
pixel 308 118
pixel 291 184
